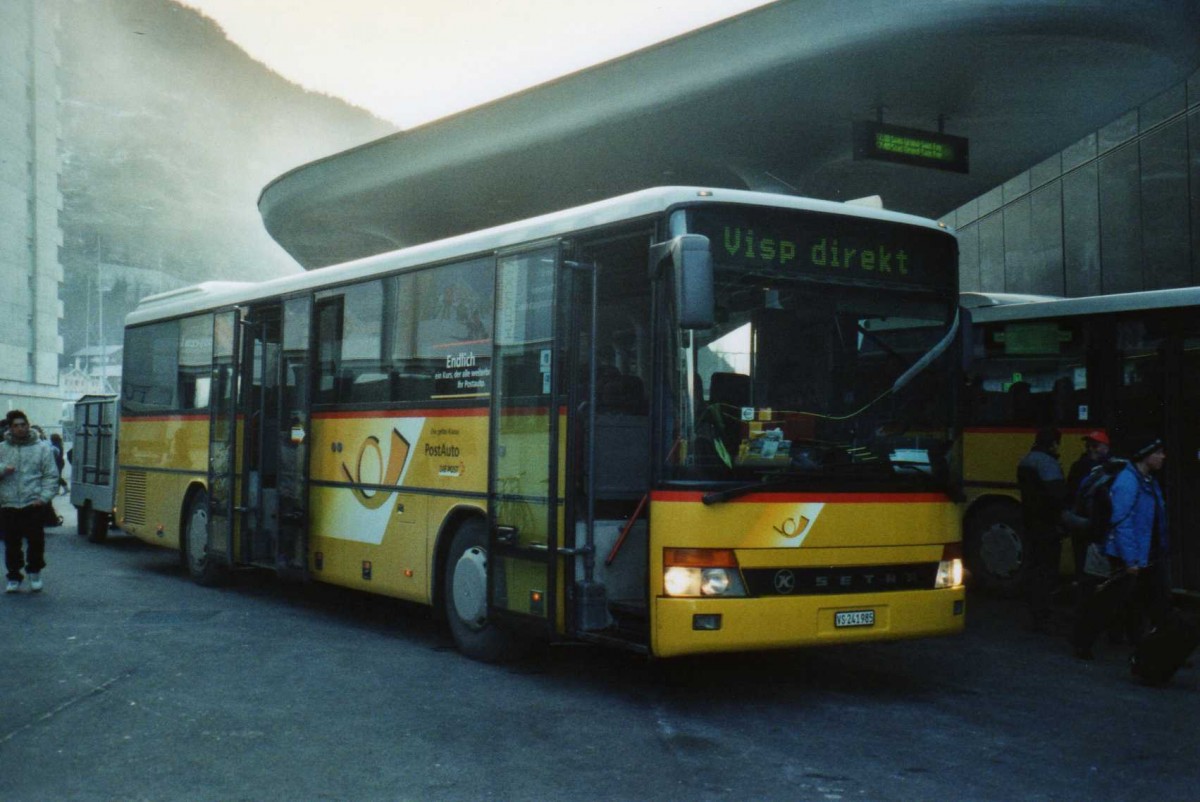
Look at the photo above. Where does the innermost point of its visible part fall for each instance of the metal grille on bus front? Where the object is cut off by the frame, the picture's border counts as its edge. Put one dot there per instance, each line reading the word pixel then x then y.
pixel 840 579
pixel 134 508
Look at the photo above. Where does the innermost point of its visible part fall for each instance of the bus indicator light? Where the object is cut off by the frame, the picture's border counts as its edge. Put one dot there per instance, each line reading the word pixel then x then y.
pixel 715 558
pixel 950 569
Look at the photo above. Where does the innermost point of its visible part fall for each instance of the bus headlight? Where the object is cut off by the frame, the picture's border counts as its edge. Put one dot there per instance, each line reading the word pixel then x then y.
pixel 680 581
pixel 950 569
pixel 701 572
pixel 714 581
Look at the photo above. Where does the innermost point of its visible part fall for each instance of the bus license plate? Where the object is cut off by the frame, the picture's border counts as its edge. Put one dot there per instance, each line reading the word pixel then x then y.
pixel 854 618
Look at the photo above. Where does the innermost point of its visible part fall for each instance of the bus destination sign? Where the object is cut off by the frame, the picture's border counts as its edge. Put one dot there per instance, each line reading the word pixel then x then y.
pixel 825 247
pixel 892 143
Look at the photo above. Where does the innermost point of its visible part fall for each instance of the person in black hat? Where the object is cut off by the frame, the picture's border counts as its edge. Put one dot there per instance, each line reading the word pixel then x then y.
pixel 1043 494
pixel 1138 540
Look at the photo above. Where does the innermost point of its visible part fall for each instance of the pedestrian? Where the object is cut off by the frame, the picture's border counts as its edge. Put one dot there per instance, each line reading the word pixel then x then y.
pixel 1095 453
pixel 1043 493
pixel 28 482
pixel 1136 544
pixel 1138 540
pixel 56 444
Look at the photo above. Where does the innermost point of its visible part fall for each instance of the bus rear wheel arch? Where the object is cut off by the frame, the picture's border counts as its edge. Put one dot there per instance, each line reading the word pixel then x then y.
pixel 994 545
pixel 464 597
pixel 83 517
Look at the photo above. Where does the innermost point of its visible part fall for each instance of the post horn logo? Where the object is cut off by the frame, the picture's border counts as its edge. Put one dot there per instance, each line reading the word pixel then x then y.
pixel 387 474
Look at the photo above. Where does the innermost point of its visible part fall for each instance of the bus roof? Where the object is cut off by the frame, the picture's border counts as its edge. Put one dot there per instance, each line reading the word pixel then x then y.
pixel 215 294
pixel 996 307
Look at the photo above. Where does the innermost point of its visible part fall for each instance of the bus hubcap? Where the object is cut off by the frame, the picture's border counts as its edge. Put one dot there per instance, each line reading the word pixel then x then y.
pixel 1000 550
pixel 470 587
pixel 197 535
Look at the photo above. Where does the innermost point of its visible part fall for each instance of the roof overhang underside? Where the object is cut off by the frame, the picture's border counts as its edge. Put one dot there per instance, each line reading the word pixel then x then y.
pixel 762 101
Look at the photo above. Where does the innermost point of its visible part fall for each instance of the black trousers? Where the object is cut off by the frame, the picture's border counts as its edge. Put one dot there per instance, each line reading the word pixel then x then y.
pixel 23 525
pixel 1045 550
pixel 1133 601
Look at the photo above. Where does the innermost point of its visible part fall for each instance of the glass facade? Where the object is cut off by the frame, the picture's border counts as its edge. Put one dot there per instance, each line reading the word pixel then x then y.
pixel 1117 211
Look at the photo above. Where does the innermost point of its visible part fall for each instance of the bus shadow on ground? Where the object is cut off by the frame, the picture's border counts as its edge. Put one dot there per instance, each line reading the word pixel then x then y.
pixel 901 670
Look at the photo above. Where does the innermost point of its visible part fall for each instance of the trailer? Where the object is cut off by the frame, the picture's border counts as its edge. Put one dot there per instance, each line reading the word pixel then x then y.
pixel 93 464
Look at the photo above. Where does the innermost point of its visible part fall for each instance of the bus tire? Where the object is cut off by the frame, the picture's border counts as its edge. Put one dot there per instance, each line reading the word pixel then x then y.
pixel 202 569
pixel 97 525
pixel 995 547
pixel 465 581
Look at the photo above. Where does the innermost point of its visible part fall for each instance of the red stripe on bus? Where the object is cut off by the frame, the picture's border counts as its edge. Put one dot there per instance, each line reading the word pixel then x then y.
pixel 404 413
pixel 803 498
pixel 1074 430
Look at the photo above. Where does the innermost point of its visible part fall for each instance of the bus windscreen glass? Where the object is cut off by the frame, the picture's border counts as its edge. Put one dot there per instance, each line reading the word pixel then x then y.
pixel 832 355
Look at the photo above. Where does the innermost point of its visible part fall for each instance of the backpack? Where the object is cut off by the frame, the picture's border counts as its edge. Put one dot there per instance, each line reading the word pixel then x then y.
pixel 1092 501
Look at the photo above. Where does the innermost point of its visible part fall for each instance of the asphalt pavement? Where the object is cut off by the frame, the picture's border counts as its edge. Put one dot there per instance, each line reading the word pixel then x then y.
pixel 123 680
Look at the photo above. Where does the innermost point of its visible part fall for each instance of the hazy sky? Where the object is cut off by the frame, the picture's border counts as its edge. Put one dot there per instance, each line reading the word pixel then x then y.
pixel 411 61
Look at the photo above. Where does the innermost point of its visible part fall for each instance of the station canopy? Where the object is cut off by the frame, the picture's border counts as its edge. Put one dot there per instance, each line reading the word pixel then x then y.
pixel 766 101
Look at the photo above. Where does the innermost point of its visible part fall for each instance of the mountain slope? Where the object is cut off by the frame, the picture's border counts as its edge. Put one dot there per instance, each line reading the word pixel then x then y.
pixel 169 132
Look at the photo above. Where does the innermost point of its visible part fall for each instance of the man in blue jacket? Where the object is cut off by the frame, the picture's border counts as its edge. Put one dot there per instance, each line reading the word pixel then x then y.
pixel 1137 541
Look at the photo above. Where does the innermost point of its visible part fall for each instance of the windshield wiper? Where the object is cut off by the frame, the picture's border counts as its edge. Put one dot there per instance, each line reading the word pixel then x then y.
pixel 718 496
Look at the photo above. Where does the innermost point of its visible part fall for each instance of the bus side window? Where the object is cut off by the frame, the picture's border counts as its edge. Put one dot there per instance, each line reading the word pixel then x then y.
pixel 437 332
pixel 195 362
pixel 151 367
pixel 1029 374
pixel 329 350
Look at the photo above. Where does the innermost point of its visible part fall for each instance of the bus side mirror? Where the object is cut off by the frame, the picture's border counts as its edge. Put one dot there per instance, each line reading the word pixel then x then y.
pixel 691 275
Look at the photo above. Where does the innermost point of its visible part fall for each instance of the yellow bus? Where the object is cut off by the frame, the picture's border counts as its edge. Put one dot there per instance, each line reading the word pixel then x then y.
pixel 1126 364
pixel 678 421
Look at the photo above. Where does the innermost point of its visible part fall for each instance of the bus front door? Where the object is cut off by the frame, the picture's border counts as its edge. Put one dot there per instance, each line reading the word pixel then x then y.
pixel 523 480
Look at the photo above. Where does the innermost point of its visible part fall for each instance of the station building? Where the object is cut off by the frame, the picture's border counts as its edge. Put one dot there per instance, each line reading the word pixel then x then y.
pixel 30 236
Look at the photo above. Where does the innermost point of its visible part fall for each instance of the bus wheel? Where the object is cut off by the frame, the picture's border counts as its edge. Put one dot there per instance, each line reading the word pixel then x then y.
pixel 995 547
pixel 97 525
pixel 199 565
pixel 465 582
pixel 83 519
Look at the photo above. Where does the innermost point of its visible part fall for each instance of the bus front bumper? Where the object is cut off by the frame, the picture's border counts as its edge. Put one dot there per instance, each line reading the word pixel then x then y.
pixel 697 626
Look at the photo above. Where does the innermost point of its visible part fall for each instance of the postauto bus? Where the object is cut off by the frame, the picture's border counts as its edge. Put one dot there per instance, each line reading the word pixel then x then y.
pixel 678 421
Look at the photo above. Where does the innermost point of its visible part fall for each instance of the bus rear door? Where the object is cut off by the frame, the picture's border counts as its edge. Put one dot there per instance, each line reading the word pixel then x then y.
pixel 274 404
pixel 215 546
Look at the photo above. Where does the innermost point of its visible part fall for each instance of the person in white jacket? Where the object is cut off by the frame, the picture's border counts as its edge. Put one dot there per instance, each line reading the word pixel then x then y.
pixel 28 482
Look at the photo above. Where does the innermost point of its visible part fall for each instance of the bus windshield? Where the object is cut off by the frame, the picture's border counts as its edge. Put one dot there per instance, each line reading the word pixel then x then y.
pixel 820 369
